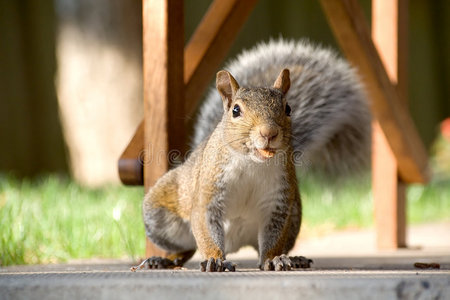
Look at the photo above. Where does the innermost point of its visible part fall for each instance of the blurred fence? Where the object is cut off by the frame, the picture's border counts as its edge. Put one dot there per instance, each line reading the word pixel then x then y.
pixel 91 50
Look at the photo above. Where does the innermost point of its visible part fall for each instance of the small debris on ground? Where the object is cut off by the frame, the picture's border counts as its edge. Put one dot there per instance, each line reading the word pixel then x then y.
pixel 420 265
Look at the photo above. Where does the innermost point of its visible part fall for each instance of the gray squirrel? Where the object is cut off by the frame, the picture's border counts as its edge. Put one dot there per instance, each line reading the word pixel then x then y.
pixel 239 186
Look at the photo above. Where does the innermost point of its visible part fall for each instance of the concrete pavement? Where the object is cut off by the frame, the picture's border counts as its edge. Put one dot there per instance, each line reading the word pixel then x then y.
pixel 347 266
pixel 245 284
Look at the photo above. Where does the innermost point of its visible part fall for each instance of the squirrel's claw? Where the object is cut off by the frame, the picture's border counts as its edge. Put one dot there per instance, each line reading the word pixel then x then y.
pixel 217 265
pixel 286 263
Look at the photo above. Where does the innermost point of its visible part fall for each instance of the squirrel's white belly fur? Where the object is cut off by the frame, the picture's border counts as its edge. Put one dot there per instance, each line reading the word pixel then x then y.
pixel 251 194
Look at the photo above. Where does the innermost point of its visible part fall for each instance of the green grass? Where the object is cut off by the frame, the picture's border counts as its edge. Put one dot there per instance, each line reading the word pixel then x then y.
pixel 429 203
pixel 349 204
pixel 52 219
pixel 343 204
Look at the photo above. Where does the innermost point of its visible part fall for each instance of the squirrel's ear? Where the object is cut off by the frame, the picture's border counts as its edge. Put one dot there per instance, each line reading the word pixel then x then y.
pixel 227 87
pixel 283 82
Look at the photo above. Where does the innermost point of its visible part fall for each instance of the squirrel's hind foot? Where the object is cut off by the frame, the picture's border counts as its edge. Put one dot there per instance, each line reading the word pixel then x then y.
pixel 217 265
pixel 301 262
pixel 286 263
pixel 157 262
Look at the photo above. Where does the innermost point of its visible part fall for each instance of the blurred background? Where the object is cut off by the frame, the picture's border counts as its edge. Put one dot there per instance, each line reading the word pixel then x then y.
pixel 71 98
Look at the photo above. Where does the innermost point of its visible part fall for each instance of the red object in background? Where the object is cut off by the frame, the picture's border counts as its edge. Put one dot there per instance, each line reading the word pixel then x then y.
pixel 445 129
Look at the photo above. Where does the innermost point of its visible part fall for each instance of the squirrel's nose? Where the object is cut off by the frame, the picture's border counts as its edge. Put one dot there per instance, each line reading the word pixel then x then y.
pixel 268 133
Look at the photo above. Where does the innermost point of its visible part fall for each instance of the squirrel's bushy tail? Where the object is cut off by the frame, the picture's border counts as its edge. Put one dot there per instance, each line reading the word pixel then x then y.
pixel 331 120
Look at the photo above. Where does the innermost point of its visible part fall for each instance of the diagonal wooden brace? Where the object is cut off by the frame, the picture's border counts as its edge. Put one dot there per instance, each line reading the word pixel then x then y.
pixel 352 33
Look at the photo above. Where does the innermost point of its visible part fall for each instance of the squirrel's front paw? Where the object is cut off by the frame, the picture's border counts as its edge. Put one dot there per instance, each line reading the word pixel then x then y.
pixel 217 265
pixel 278 263
pixel 286 263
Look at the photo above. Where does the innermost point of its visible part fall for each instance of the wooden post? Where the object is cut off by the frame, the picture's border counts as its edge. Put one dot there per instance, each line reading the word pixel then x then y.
pixel 163 42
pixel 203 54
pixel 389 33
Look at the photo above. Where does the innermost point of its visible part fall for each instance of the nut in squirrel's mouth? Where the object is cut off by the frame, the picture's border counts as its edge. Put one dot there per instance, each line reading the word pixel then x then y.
pixel 266 153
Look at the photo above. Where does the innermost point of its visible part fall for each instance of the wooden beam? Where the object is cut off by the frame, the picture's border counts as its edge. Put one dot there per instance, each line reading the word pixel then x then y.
pixel 131 169
pixel 351 31
pixel 389 33
pixel 163 42
pixel 204 53
pixel 389 195
pixel 210 43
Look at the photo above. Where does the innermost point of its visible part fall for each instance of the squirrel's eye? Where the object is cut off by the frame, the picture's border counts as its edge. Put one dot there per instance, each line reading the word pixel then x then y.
pixel 287 110
pixel 236 111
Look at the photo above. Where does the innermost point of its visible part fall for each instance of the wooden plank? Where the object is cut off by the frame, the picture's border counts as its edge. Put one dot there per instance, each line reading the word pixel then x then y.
pixel 402 49
pixel 351 31
pixel 163 42
pixel 163 84
pixel 205 51
pixel 389 33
